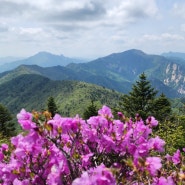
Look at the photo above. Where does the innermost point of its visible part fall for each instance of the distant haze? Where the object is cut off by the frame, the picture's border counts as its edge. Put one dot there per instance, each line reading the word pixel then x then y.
pixel 5 60
pixel 44 59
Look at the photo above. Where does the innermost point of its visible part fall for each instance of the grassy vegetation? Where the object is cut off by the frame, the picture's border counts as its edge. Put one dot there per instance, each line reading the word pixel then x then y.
pixel 32 91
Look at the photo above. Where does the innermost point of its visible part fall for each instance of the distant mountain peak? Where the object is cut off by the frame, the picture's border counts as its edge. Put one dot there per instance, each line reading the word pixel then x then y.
pixel 135 51
pixel 174 55
pixel 43 59
pixel 44 53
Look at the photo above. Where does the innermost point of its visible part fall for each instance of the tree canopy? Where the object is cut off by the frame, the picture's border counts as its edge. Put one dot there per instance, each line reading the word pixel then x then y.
pixel 7 128
pixel 91 110
pixel 162 108
pixel 140 99
pixel 52 107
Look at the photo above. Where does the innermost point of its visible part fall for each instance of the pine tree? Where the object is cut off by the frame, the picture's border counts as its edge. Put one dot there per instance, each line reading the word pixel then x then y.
pixel 140 99
pixel 7 128
pixel 52 107
pixel 90 111
pixel 162 108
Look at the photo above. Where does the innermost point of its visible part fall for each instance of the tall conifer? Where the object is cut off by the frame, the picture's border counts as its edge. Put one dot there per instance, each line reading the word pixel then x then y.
pixel 7 128
pixel 52 107
pixel 140 99
pixel 162 108
pixel 90 111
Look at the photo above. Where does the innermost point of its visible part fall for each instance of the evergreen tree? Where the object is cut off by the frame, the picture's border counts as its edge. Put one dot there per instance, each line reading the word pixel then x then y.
pixel 90 111
pixel 140 99
pixel 52 107
pixel 7 128
pixel 162 108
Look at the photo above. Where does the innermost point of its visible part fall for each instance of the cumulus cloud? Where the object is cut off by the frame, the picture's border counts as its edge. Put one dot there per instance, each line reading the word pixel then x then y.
pixel 78 11
pixel 13 8
pixel 163 37
pixel 62 25
pixel 88 11
pixel 3 27
pixel 182 27
pixel 131 11
pixel 179 9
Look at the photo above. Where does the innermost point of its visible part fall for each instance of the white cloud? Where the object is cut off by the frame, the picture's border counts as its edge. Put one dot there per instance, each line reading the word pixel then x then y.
pixel 4 27
pixel 179 9
pixel 151 37
pixel 30 30
pixel 86 27
pixel 171 37
pixel 131 11
pixel 182 27
pixel 163 37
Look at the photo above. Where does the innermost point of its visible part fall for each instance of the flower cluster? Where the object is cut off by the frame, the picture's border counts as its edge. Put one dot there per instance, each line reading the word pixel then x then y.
pixel 99 151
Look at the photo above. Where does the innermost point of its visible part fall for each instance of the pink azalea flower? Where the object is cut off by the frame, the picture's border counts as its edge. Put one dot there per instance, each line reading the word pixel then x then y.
pixel 157 144
pixel 152 121
pixel 4 147
pixel 1 155
pixel 153 164
pixel 164 181
pixel 85 159
pixel 168 157
pixel 23 115
pixel 24 118
pixel 96 176
pixel 176 157
pixel 106 112
pixel 18 182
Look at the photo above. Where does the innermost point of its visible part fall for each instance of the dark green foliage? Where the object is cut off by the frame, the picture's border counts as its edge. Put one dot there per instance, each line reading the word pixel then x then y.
pixel 31 92
pixel 162 108
pixel 91 110
pixel 52 107
pixel 10 128
pixel 173 133
pixel 4 114
pixel 140 99
pixel 7 127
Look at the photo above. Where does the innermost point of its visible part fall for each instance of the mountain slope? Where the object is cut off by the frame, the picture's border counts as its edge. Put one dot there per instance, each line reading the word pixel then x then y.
pixel 117 71
pixel 174 55
pixel 43 59
pixel 121 66
pixel 54 73
pixel 128 65
pixel 31 91
pixel 63 73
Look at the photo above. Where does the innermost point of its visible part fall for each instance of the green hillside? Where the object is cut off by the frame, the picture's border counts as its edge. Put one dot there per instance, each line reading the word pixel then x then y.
pixel 116 71
pixel 31 91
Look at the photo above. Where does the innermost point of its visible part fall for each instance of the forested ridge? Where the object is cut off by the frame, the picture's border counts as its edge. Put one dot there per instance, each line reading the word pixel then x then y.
pixel 32 91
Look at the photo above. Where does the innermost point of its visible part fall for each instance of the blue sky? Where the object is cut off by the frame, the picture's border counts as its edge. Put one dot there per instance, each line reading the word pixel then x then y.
pixel 91 28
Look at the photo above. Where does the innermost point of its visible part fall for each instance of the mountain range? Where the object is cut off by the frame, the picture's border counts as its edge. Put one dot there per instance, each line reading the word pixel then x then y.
pixel 74 84
pixel 117 71
pixel 174 55
pixel 43 59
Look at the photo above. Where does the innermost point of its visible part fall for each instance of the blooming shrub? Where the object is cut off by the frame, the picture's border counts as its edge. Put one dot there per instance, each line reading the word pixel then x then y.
pixel 99 151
